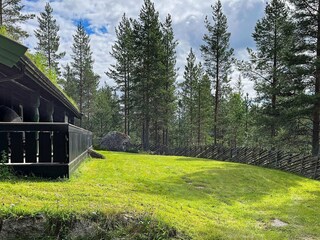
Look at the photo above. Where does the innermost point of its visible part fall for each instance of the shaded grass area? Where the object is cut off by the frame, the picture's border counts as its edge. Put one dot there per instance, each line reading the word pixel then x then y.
pixel 203 199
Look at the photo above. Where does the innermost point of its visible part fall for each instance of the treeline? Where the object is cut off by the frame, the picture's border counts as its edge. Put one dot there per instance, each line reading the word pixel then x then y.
pixel 205 108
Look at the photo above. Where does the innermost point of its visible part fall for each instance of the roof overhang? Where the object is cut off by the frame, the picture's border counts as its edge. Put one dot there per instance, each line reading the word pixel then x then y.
pixel 13 59
pixel 10 51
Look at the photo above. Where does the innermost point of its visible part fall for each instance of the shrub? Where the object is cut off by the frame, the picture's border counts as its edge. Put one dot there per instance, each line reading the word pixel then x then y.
pixel 5 170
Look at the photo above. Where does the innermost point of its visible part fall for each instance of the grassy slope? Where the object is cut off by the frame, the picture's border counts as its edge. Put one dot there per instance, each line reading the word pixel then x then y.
pixel 205 199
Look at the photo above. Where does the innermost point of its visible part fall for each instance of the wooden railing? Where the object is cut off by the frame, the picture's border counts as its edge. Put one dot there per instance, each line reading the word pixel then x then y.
pixel 305 165
pixel 49 143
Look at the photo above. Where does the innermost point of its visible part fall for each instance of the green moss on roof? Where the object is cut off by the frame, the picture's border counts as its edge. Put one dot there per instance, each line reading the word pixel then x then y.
pixel 37 59
pixel 40 62
pixel 3 31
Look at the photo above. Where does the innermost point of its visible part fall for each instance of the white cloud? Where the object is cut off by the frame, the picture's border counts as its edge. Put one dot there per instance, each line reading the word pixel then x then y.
pixel 188 22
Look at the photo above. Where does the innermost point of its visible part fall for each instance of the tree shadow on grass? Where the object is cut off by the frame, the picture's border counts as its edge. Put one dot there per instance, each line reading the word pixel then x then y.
pixel 228 184
pixel 245 194
pixel 19 178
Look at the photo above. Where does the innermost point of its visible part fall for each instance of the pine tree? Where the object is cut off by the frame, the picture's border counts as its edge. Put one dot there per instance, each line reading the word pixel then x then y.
pixel 90 85
pixel 82 66
pixel 147 80
pixel 218 58
pixel 196 103
pixel 69 83
pixel 179 134
pixel 145 75
pixel 167 99
pixel 307 15
pixel 106 116
pixel 204 108
pixel 116 119
pixel 121 71
pixel 235 120
pixel 48 39
pixel 10 16
pixel 102 112
pixel 268 66
pixel 189 91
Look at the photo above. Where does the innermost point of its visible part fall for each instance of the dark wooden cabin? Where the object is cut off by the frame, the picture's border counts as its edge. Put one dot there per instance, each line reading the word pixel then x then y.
pixel 37 134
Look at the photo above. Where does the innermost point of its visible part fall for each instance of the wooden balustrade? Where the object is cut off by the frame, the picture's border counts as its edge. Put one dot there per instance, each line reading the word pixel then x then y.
pixel 37 145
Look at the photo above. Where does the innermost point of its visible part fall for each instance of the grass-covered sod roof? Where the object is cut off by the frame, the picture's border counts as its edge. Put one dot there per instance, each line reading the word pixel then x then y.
pixel 203 199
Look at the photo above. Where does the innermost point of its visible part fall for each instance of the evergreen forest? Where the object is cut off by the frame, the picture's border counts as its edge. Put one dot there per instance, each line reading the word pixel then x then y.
pixel 206 108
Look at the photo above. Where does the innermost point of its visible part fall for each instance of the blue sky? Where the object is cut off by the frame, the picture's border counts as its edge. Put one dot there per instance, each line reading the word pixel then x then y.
pixel 100 18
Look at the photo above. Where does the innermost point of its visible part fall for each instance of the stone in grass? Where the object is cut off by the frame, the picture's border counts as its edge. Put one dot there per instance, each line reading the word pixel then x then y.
pixel 278 223
pixel 115 141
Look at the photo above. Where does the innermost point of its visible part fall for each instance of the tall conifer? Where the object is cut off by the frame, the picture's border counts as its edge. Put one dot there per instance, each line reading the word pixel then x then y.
pixel 148 79
pixel 48 38
pixel 82 65
pixel 307 14
pixel 191 76
pixel 121 71
pixel 167 97
pixel 10 16
pixel 269 66
pixel 218 57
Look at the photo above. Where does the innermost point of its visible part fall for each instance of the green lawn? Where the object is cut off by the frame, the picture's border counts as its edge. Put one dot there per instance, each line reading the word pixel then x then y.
pixel 204 199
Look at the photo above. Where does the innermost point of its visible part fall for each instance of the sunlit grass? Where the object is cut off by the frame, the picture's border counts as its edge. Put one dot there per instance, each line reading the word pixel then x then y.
pixel 204 199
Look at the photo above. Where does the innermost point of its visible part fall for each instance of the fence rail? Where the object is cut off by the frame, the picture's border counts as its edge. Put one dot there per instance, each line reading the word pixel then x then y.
pixel 304 165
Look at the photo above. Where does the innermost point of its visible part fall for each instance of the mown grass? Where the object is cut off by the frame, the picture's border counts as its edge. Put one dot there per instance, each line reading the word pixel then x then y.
pixel 204 199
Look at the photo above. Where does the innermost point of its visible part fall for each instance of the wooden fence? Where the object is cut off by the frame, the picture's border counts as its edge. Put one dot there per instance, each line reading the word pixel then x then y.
pixel 304 165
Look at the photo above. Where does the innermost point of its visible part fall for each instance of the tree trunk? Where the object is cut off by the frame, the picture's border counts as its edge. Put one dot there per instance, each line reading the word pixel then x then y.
pixel 191 115
pixel 157 142
pixel 199 115
pixel 274 85
pixel 166 137
pixel 81 95
pixel 128 102
pixel 216 102
pixel 1 12
pixel 125 105
pixel 143 134
pixel 147 135
pixel 49 46
pixel 316 119
pixel 247 110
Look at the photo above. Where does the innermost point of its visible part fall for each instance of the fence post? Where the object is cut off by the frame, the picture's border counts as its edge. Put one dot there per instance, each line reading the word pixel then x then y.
pixel 302 162
pixel 316 168
pixel 277 159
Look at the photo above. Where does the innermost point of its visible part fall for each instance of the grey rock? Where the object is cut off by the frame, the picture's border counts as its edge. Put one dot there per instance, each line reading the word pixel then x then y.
pixel 278 223
pixel 115 141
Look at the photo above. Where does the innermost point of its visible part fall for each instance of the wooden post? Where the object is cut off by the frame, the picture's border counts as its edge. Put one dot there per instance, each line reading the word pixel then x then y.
pixel 45 138
pixel 31 114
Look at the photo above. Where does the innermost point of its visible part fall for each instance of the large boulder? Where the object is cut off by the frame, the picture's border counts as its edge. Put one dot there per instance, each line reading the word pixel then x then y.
pixel 115 141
